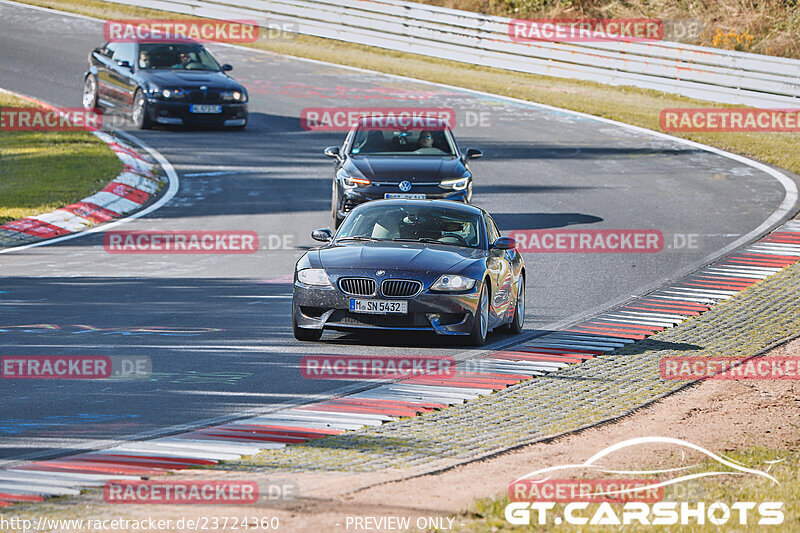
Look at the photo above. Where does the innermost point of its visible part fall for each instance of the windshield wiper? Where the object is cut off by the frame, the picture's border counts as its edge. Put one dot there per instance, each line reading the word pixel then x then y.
pixel 421 239
pixel 358 239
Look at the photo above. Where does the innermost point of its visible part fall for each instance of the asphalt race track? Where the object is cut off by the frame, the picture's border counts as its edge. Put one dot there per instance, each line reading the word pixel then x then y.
pixel 217 327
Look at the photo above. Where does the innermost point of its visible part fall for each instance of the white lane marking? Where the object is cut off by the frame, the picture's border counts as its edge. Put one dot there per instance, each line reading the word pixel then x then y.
pixel 112 202
pixel 43 490
pixel 553 345
pixel 577 342
pixel 78 477
pixel 713 299
pixel 709 292
pixel 54 479
pixel 63 219
pixel 492 368
pixel 137 182
pixel 731 274
pixel 759 269
pixel 347 416
pixel 566 335
pixel 445 392
pixel 201 445
pixel 546 366
pixel 679 318
pixel 158 451
pixel 198 174
pixel 686 297
pixel 301 423
pixel 635 321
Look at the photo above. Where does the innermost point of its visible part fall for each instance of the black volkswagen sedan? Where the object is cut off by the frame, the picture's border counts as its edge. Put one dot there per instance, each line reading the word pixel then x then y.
pixel 381 159
pixel 427 265
pixel 164 82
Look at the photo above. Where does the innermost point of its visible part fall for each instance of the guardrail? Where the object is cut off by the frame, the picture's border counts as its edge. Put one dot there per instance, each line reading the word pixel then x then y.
pixel 699 72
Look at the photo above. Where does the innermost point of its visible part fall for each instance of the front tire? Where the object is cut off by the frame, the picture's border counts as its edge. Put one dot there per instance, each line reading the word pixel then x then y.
pixel 337 220
pixel 480 325
pixel 518 321
pixel 90 93
pixel 140 111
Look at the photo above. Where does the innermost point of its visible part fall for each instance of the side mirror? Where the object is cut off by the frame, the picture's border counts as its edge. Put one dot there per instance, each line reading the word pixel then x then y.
pixel 332 151
pixel 227 68
pixel 125 64
pixel 322 235
pixel 504 243
pixel 473 153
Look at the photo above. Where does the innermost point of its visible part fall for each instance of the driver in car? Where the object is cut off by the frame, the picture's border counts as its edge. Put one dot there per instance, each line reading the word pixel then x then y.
pixel 184 58
pixel 144 60
pixel 425 139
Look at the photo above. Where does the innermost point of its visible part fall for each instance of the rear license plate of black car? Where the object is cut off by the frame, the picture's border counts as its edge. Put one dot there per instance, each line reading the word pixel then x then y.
pixel 378 307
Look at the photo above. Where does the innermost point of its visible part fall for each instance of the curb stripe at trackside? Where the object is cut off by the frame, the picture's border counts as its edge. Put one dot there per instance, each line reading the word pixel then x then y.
pixel 103 207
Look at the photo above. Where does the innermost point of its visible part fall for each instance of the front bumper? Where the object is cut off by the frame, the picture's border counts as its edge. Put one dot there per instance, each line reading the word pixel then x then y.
pixel 166 112
pixel 329 308
pixel 350 198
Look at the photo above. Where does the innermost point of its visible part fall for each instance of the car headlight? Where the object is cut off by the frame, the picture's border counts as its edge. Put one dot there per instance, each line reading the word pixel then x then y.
pixel 172 93
pixel 315 277
pixel 457 184
pixel 450 282
pixel 350 182
pixel 234 96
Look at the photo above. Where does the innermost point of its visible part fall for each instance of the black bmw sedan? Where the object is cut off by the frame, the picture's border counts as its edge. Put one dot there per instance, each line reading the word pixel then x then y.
pixel 164 82
pixel 426 265
pixel 381 158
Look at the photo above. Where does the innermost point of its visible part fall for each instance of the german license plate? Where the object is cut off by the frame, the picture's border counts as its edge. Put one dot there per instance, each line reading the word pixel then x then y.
pixel 378 307
pixel 203 108
pixel 407 196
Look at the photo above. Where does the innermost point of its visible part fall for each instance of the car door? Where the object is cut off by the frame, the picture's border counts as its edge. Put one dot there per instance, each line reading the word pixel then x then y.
pixel 121 69
pixel 101 60
pixel 502 273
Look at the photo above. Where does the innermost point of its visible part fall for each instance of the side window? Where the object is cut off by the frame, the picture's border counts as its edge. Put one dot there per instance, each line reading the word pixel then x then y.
pixel 124 52
pixel 491 229
pixel 109 49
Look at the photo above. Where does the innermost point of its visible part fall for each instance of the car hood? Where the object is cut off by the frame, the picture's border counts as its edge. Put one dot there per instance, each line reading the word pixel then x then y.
pixel 191 79
pixel 398 256
pixel 411 168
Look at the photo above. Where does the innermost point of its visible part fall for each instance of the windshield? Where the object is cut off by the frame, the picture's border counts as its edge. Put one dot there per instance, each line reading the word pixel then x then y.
pixel 183 56
pixel 414 223
pixel 410 142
